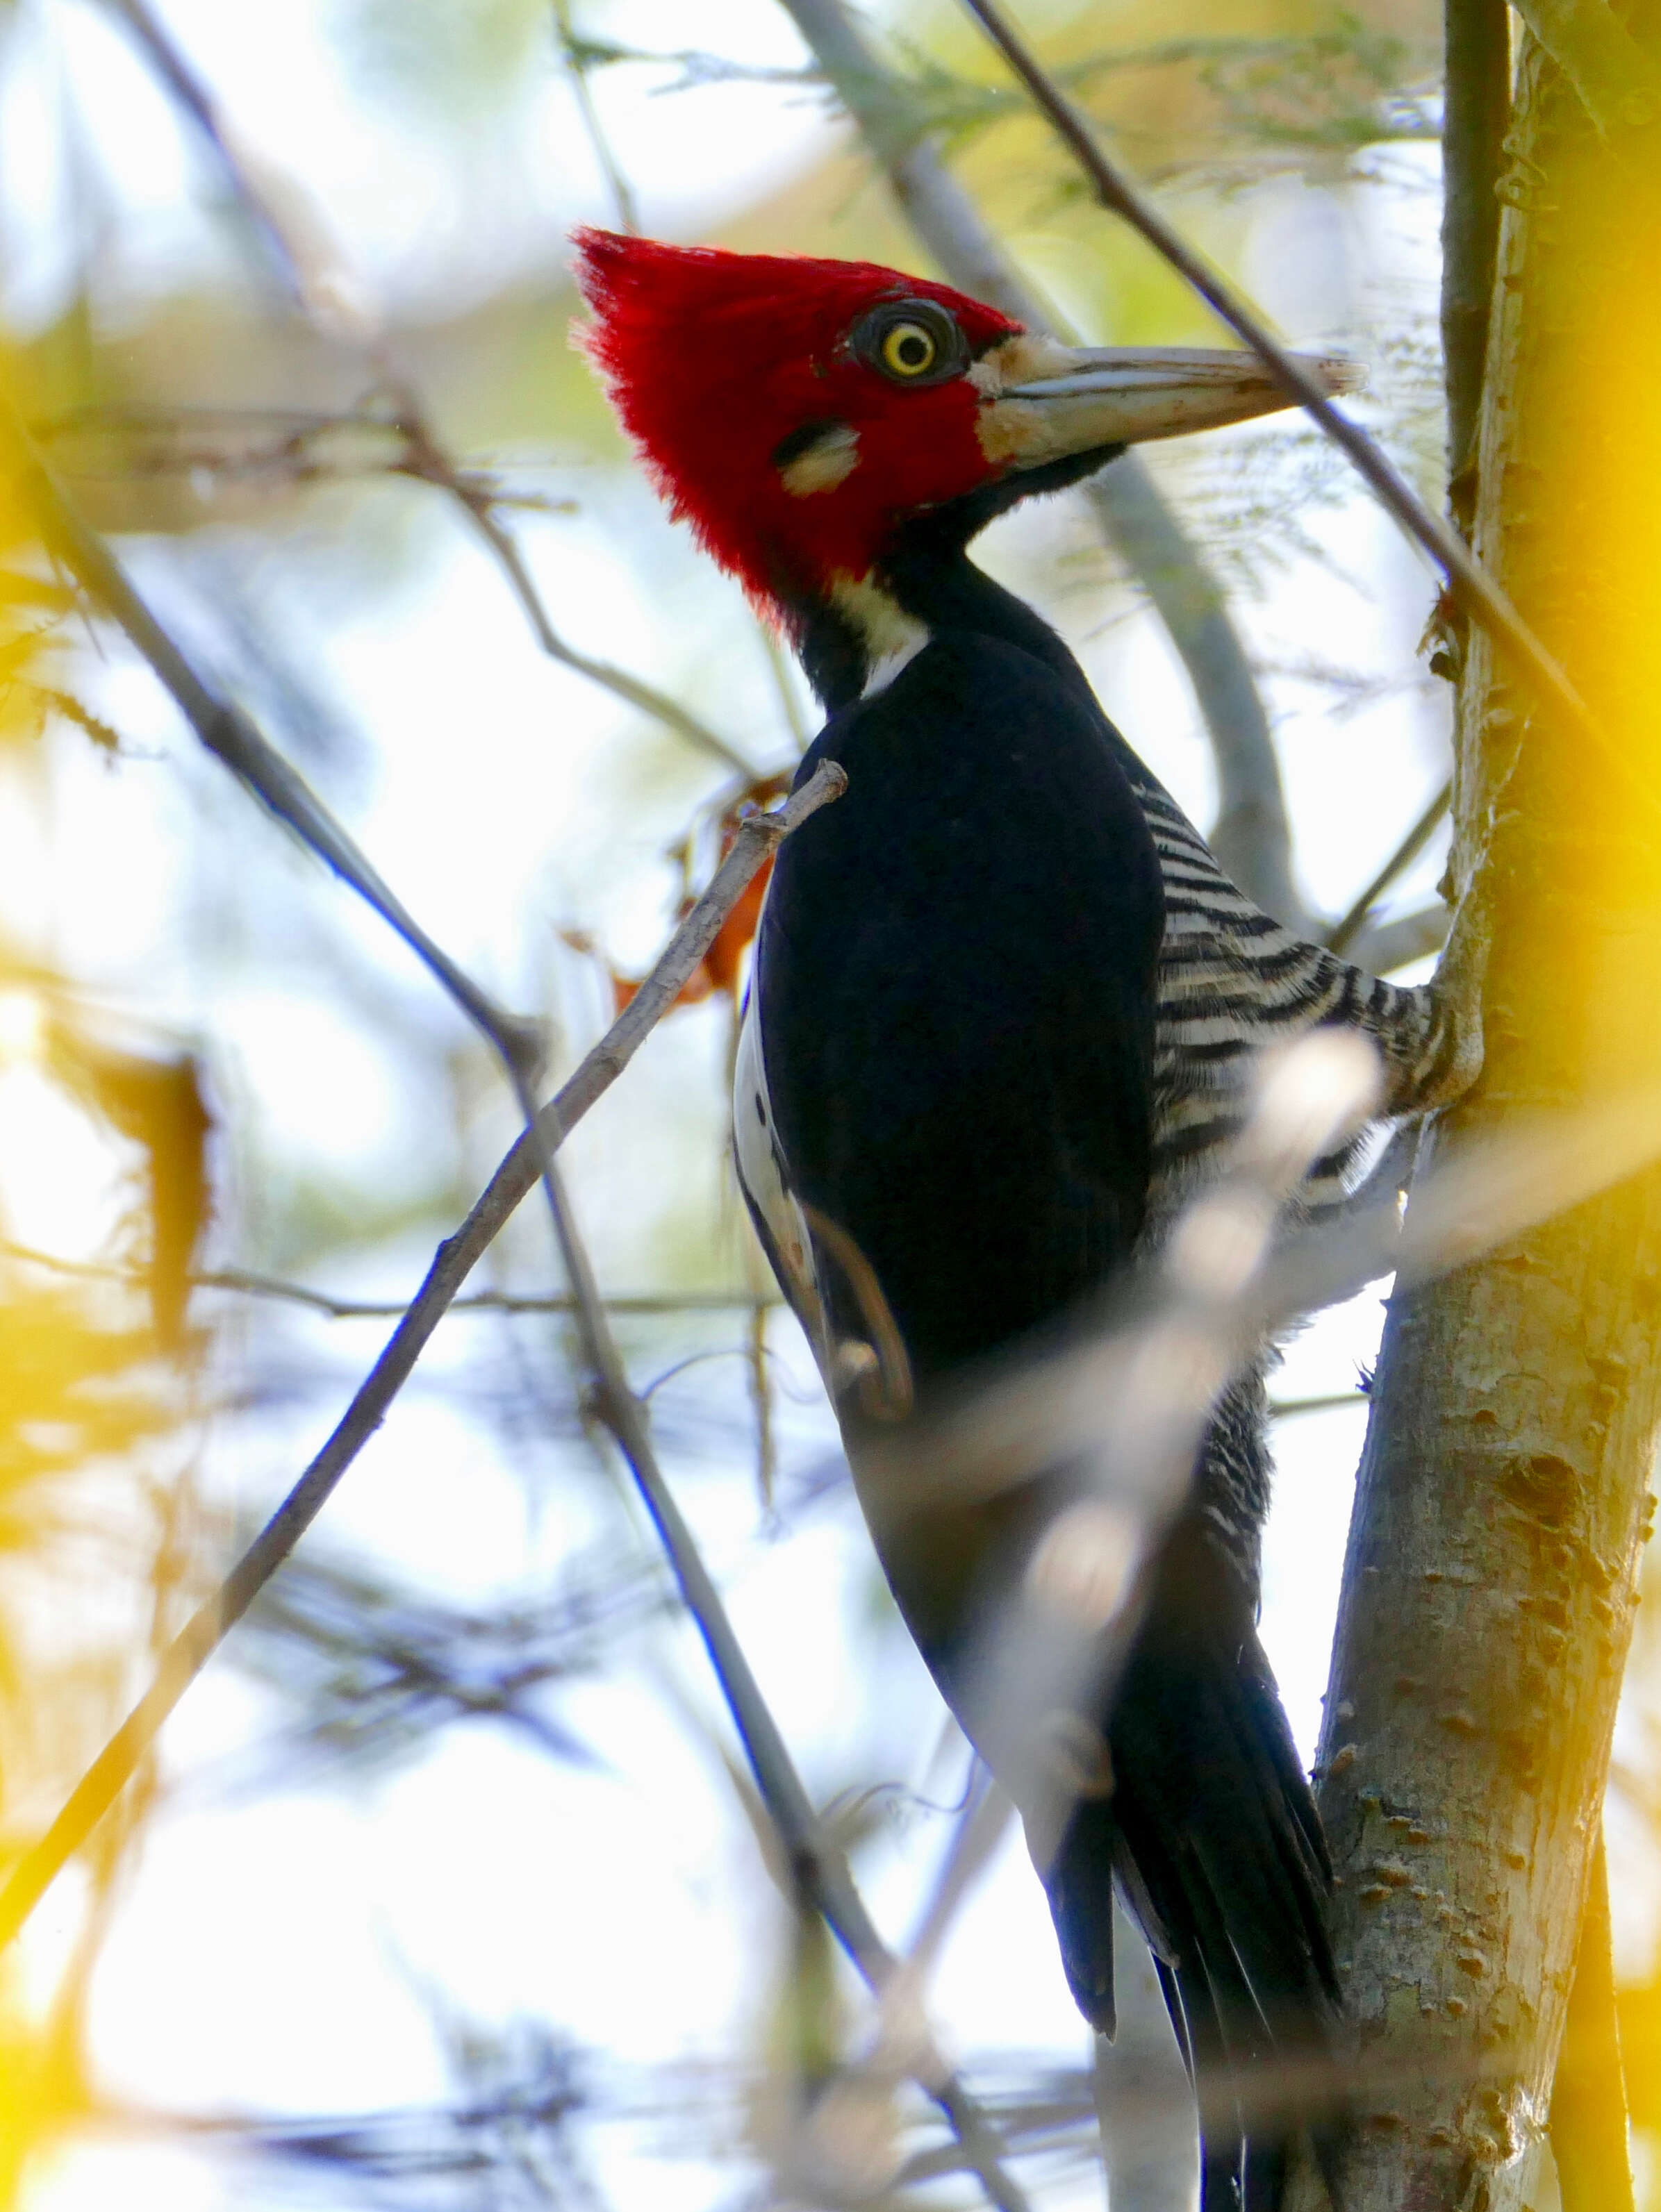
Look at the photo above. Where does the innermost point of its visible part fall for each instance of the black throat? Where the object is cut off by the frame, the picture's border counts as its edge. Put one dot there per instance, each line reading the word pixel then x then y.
pixel 927 574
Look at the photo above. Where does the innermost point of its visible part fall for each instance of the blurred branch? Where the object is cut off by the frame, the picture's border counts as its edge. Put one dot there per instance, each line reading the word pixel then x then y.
pixel 1471 586
pixel 374 1665
pixel 818 1866
pixel 1343 933
pixel 1251 835
pixel 232 736
pixel 320 289
pixel 1285 1409
pixel 758 837
pixel 248 1284
pixel 1164 1346
pixel 274 225
pixel 504 2136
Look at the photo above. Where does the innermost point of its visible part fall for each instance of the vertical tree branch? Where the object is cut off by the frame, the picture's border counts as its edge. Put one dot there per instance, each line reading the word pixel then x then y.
pixel 1251 835
pixel 1476 115
pixel 1502 1503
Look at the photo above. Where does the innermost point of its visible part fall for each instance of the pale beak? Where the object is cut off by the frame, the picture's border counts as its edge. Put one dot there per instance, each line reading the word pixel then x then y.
pixel 1045 402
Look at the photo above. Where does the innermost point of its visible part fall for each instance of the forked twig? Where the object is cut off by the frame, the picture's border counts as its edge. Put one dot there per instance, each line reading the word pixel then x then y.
pixel 1472 587
pixel 456 1259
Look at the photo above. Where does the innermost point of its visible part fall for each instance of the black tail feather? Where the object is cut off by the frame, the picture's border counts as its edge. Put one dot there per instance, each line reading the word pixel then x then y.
pixel 1215 1837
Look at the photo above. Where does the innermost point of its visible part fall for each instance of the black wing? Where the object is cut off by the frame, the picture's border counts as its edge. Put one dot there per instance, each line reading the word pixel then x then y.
pixel 955 999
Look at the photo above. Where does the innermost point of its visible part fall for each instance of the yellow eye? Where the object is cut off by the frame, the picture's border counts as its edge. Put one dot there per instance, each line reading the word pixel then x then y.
pixel 908 350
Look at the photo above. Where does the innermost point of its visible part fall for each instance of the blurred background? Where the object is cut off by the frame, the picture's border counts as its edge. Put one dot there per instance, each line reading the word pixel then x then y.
pixel 447 1887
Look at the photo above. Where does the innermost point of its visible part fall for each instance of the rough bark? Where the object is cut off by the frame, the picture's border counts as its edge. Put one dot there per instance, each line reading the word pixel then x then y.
pixel 1503 1496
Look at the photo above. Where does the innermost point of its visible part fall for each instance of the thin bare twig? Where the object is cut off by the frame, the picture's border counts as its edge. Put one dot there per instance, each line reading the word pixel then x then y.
pixel 296 445
pixel 455 1261
pixel 1343 933
pixel 1285 1409
pixel 1473 588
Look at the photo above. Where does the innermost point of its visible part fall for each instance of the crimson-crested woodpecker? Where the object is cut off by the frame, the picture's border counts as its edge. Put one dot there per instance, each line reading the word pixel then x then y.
pixel 1003 1005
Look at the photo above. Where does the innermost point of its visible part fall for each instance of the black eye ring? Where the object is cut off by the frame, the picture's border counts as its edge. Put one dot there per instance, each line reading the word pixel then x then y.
pixel 911 342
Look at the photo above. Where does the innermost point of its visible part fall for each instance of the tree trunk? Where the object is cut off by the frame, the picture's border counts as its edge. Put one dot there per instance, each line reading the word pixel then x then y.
pixel 1503 1495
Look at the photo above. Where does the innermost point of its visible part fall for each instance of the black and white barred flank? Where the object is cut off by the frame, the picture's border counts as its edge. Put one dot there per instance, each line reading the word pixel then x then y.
pixel 1232 982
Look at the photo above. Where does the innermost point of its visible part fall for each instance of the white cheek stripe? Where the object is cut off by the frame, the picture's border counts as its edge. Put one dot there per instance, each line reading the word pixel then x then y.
pixel 761 1171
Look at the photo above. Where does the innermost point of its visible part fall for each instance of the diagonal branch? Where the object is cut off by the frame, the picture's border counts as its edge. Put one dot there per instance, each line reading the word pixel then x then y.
pixel 1343 933
pixel 1383 947
pixel 1251 835
pixel 100 1786
pixel 1474 590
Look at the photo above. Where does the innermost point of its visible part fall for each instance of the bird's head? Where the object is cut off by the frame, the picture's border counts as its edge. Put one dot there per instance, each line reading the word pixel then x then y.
pixel 802 414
